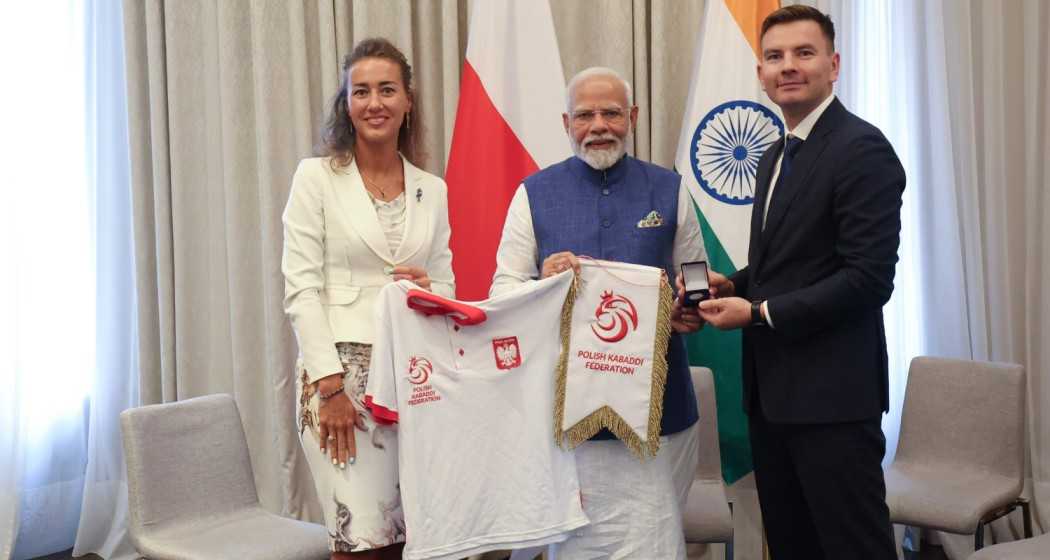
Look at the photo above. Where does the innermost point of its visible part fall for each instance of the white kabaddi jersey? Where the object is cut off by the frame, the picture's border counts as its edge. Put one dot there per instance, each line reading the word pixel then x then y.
pixel 471 386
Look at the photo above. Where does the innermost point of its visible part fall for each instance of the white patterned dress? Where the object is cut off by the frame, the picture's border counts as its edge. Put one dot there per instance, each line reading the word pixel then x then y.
pixel 362 504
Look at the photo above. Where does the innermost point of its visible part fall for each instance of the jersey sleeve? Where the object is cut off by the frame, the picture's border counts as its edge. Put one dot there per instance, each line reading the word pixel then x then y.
pixel 381 391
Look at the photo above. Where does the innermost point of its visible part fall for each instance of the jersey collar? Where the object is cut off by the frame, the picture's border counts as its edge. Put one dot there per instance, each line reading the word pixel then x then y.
pixel 429 303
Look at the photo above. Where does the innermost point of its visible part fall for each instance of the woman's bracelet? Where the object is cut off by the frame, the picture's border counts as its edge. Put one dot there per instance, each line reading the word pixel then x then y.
pixel 327 396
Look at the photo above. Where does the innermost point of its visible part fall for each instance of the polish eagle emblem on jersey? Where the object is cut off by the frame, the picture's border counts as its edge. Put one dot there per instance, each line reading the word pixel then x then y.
pixel 419 370
pixel 614 317
pixel 507 352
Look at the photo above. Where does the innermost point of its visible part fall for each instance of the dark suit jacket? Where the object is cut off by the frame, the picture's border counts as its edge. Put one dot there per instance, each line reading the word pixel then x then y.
pixel 825 263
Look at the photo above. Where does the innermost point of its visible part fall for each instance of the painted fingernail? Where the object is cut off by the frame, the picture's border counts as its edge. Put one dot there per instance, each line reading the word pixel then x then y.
pixel 388 270
pixel 334 462
pixel 342 465
pixel 353 460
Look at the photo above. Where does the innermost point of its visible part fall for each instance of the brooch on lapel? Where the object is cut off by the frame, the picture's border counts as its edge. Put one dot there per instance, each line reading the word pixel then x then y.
pixel 419 195
pixel 651 220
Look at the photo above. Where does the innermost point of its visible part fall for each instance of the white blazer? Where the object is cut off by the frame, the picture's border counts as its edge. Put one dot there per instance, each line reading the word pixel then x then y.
pixel 335 253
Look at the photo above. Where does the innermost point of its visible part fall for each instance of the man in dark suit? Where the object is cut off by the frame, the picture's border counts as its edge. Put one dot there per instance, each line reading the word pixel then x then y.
pixel 825 229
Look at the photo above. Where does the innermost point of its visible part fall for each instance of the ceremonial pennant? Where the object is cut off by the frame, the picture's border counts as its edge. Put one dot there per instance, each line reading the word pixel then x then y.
pixel 615 327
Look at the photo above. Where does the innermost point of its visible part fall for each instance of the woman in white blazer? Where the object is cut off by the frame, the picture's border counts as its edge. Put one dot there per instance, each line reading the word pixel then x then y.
pixel 357 219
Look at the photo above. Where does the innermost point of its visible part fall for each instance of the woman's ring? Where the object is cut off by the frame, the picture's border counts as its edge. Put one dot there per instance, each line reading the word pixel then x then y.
pixel 331 438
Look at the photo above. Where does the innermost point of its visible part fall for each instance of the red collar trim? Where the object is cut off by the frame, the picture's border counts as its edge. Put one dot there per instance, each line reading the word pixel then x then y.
pixel 429 303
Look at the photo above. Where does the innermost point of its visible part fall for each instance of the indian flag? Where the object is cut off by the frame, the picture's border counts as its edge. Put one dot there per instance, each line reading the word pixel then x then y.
pixel 729 122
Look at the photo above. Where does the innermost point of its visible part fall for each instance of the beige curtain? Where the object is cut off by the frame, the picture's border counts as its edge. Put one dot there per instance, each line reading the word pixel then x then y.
pixel 225 96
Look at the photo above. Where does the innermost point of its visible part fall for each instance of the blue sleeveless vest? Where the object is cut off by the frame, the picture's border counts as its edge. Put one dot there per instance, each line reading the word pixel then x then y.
pixel 596 213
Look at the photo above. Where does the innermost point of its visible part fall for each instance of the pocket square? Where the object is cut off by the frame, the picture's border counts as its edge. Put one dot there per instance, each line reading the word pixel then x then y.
pixel 651 220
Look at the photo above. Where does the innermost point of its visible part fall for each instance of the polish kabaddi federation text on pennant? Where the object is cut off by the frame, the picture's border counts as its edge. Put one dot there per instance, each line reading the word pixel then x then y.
pixel 615 328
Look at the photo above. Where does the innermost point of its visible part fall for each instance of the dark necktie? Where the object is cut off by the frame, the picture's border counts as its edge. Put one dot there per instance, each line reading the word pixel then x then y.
pixel 791 146
pixel 790 149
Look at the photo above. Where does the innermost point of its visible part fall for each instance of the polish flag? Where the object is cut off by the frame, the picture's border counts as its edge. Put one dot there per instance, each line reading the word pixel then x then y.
pixel 508 125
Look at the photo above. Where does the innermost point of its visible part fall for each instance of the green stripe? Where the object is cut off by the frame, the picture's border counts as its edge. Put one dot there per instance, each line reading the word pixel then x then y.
pixel 721 351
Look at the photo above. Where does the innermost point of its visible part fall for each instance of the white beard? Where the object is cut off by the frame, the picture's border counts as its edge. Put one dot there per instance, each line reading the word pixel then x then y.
pixel 599 159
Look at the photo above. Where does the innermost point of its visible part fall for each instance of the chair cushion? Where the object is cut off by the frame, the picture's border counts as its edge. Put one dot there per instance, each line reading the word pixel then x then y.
pixel 1035 548
pixel 707 517
pixel 253 533
pixel 186 458
pixel 946 497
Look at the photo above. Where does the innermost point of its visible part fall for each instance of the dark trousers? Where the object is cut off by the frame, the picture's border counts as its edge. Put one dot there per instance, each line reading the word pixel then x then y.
pixel 821 489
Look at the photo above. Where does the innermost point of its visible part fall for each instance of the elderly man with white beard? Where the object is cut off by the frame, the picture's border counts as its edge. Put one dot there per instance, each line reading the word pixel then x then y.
pixel 606 204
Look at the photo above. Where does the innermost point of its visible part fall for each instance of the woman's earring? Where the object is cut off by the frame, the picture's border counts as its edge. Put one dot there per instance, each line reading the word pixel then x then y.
pixel 408 121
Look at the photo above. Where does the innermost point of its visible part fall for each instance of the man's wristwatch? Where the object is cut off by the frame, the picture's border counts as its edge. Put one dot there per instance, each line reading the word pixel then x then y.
pixel 756 315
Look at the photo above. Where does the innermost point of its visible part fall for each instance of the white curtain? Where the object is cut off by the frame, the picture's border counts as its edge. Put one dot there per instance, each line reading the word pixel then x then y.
pixel 68 322
pixel 115 379
pixel 48 305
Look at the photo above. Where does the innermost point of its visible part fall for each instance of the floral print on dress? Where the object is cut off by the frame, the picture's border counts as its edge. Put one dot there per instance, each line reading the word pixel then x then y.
pixel 306 413
pixel 356 359
pixel 354 524
pixel 394 518
pixel 343 540
pixel 393 531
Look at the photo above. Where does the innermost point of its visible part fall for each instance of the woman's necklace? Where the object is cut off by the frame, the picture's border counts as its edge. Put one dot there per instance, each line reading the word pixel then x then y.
pixel 375 186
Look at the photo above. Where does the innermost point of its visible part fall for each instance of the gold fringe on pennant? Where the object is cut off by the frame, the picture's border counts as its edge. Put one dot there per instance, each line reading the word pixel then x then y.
pixel 606 417
pixel 563 361
pixel 663 336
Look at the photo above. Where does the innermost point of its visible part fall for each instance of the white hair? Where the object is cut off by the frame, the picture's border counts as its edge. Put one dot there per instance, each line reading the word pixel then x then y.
pixel 595 71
